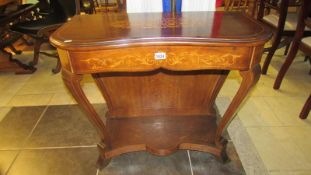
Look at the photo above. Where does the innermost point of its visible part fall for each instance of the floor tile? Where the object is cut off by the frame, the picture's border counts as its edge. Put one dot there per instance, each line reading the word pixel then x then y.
pixel 222 104
pixel 299 66
pixel 30 100
pixel 21 78
pixel 287 110
pixel 144 163
pixel 204 163
pixel 44 75
pixel 276 150
pixel 3 112
pixel 62 98
pixel 92 92
pixel 257 112
pixel 5 98
pixel 64 126
pixel 74 161
pixel 17 125
pixel 302 172
pixel 246 150
pixel 300 136
pixel 6 159
pixel 250 158
pixel 9 90
pixel 42 88
pixel 229 88
pixel 264 87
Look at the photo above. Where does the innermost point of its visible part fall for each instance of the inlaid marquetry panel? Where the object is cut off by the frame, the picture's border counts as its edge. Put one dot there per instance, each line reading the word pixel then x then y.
pixel 171 58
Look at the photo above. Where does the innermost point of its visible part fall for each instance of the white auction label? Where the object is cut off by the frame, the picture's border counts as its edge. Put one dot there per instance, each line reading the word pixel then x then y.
pixel 160 55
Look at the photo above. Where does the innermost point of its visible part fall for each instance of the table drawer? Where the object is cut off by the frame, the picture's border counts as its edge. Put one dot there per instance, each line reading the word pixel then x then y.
pixel 166 57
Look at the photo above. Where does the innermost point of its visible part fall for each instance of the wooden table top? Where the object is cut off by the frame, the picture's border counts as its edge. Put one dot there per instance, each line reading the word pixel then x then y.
pixel 121 29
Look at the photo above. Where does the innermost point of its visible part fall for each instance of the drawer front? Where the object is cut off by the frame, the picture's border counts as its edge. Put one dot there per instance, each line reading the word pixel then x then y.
pixel 166 57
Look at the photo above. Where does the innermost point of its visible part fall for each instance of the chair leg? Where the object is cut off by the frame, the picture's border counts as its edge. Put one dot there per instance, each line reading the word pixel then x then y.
pixel 287 49
pixel 18 52
pixel 28 43
pixel 96 3
pixel 58 66
pixel 288 61
pixel 36 52
pixel 306 109
pixel 270 54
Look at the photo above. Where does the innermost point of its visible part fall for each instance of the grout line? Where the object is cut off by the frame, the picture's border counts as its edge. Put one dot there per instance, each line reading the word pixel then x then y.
pixel 17 154
pixel 33 129
pixel 10 149
pixel 48 147
pixel 61 147
pixel 25 141
pixel 97 171
pixel 190 163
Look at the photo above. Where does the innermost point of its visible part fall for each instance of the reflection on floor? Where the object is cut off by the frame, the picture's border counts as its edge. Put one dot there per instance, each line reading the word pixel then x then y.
pixel 267 133
pixel 59 140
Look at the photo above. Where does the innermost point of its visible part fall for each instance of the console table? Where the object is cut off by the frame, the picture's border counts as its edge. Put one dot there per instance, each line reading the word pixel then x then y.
pixel 160 75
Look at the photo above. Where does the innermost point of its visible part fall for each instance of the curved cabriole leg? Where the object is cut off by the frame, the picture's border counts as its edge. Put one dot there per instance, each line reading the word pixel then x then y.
pixel 289 59
pixel 72 81
pixel 36 52
pixel 249 78
pixel 58 66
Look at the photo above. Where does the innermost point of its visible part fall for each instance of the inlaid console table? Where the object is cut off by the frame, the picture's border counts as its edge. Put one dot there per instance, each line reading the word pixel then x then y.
pixel 160 75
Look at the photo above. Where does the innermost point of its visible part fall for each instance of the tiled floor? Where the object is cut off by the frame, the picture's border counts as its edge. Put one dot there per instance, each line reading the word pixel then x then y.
pixel 267 134
pixel 59 140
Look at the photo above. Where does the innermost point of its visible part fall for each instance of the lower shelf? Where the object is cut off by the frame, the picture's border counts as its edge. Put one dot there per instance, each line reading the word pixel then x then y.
pixel 162 135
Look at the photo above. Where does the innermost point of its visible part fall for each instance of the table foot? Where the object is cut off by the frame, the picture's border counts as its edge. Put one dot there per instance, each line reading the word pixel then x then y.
pixel 102 162
pixel 224 156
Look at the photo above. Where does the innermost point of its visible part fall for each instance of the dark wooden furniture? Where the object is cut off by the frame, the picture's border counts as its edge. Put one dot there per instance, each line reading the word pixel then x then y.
pixel 236 5
pixel 160 75
pixel 41 29
pixel 299 42
pixel 283 23
pixel 7 37
pixel 112 5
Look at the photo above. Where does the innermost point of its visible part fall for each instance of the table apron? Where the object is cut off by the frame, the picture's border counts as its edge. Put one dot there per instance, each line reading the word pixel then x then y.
pixel 176 58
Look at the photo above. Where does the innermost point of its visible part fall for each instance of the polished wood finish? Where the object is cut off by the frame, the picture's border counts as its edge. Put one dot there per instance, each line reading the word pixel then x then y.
pixel 164 105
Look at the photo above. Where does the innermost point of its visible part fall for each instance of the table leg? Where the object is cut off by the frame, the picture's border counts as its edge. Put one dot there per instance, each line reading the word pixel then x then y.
pixel 249 78
pixel 72 81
